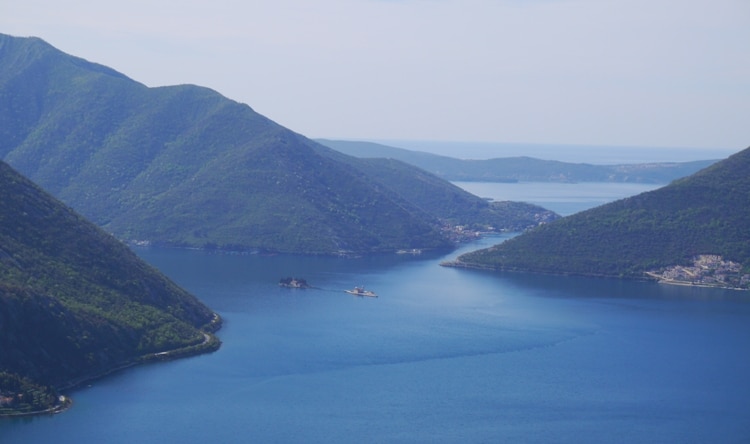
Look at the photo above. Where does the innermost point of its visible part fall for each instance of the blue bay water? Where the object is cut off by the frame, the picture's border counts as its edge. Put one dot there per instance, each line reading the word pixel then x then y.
pixel 562 198
pixel 442 355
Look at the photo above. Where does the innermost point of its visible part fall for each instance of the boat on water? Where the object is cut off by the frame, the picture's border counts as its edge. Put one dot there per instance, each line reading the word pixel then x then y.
pixel 414 251
pixel 291 282
pixel 360 291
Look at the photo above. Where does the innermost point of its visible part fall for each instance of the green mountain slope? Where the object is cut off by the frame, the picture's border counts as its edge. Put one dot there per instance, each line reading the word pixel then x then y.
pixel 185 166
pixel 75 302
pixel 442 199
pixel 705 213
pixel 525 169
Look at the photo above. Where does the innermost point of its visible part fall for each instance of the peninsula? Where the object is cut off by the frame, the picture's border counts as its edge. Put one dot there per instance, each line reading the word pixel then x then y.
pixel 694 230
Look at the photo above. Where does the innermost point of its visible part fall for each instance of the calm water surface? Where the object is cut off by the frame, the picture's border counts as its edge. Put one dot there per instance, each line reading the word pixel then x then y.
pixel 562 198
pixel 443 355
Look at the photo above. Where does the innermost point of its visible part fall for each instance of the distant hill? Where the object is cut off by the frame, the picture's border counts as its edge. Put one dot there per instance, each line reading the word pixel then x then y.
pixel 707 213
pixel 443 200
pixel 185 166
pixel 523 169
pixel 76 303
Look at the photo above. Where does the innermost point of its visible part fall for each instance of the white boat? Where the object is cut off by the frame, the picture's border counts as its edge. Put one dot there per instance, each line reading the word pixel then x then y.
pixel 414 251
pixel 360 291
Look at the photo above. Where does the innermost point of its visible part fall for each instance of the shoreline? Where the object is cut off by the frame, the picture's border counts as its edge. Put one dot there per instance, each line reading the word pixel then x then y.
pixel 693 284
pixel 662 280
pixel 653 277
pixel 211 343
pixel 66 404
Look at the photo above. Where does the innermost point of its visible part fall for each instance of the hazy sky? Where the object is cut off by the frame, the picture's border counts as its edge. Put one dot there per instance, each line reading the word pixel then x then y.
pixel 600 72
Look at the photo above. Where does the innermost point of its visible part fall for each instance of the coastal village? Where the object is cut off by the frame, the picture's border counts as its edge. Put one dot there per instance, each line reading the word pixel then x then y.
pixel 707 270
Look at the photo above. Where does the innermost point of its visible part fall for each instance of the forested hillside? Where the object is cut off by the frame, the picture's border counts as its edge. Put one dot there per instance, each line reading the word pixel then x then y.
pixel 707 213
pixel 76 303
pixel 185 166
pixel 441 199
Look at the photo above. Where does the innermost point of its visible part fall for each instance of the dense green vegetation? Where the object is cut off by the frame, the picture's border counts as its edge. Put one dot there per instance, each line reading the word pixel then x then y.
pixel 75 302
pixel 443 200
pixel 706 213
pixel 526 169
pixel 184 166
pixel 21 396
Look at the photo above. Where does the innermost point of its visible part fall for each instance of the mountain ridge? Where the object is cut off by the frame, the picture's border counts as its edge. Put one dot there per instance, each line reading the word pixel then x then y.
pixel 184 166
pixel 521 168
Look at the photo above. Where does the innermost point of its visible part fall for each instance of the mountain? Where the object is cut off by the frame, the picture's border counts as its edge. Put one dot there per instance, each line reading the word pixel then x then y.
pixel 185 166
pixel 526 169
pixel 707 213
pixel 449 203
pixel 76 303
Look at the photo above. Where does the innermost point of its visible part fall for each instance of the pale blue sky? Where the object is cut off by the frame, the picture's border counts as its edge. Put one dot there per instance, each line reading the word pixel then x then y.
pixel 599 72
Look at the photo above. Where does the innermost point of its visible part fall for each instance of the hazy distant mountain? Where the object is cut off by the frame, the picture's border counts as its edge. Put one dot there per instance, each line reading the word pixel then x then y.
pixel 707 213
pixel 526 169
pixel 76 303
pixel 185 166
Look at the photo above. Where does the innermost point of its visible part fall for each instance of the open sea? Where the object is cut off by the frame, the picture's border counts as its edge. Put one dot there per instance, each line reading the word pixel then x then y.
pixel 441 356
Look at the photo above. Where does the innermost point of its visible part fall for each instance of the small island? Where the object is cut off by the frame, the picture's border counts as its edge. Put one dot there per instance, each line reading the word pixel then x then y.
pixel 291 282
